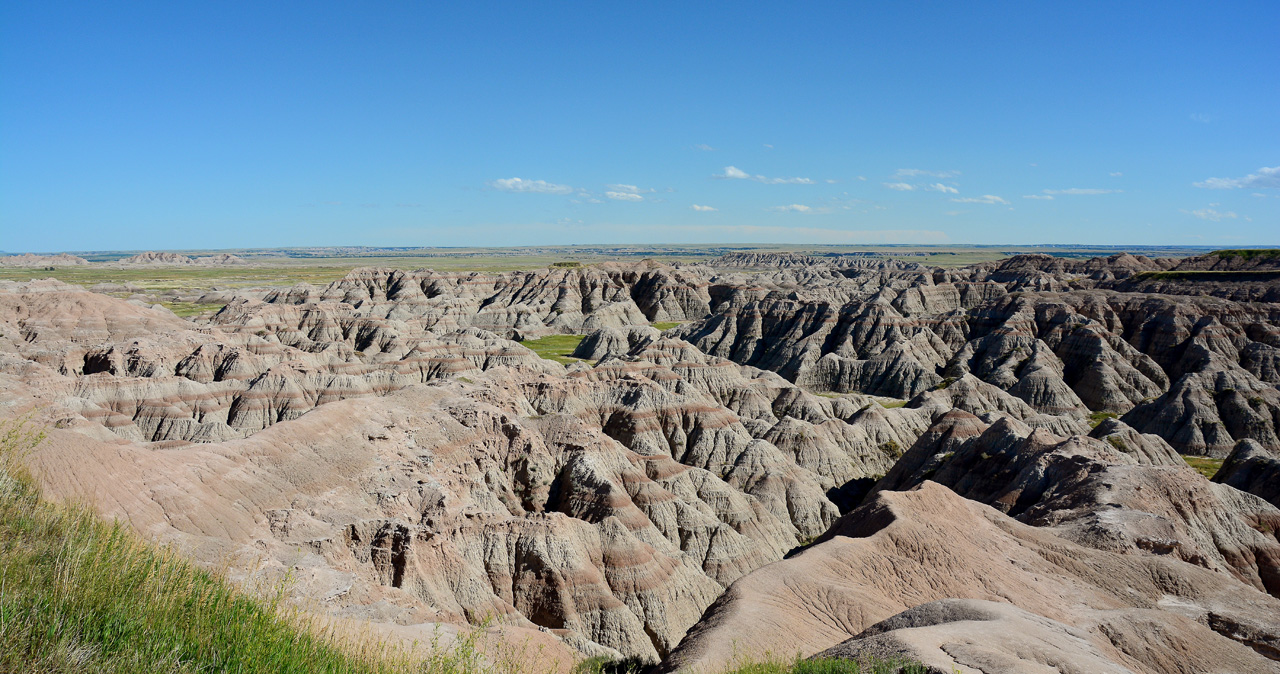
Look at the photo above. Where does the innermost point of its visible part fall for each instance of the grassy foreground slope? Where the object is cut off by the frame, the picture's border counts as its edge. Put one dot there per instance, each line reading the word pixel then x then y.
pixel 78 594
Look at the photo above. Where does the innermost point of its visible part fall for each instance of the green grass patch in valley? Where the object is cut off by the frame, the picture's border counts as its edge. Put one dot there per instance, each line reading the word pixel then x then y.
pixel 556 347
pixel 1204 465
pixel 189 309
pixel 1096 418
pixel 667 325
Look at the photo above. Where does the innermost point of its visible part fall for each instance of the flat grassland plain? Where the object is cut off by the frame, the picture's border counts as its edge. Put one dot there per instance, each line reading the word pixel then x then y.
pixel 179 287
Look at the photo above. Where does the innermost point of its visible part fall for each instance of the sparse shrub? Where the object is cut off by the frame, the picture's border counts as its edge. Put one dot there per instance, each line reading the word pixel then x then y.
pixel 603 665
pixel 891 448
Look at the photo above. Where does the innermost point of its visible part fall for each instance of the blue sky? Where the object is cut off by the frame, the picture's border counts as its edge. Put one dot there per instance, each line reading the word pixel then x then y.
pixel 216 125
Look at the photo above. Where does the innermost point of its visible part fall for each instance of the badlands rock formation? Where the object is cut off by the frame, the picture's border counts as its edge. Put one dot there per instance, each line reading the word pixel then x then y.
pixel 33 260
pixel 1012 432
pixel 1253 469
pixel 875 583
pixel 166 258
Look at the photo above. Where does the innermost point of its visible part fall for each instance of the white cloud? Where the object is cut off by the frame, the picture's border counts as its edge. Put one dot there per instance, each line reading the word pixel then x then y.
pixel 704 147
pixel 1264 178
pixel 623 196
pixel 735 173
pixel 984 199
pixel 916 173
pixel 793 208
pixel 703 209
pixel 939 187
pixel 831 181
pixel 863 178
pixel 1043 197
pixel 1116 174
pixel 901 187
pixel 1210 214
pixel 629 189
pixel 1201 117
pixel 529 186
pixel 1082 190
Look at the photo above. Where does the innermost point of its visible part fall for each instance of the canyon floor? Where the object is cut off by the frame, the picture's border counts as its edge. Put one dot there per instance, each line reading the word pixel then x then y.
pixel 1001 463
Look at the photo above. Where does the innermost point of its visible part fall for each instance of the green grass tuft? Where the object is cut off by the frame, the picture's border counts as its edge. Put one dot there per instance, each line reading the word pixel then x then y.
pixel 868 665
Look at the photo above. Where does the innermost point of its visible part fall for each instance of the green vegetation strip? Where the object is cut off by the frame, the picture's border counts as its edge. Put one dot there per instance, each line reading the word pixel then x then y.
pixel 1249 253
pixel 1204 465
pixel 1206 275
pixel 667 325
pixel 556 347
pixel 275 273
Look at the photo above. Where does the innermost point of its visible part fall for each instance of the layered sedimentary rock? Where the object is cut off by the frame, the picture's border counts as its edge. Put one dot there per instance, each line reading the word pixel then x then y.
pixel 554 301
pixel 1199 371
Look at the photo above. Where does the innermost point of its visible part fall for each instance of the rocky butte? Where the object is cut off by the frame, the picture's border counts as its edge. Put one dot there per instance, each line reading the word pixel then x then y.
pixel 980 468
